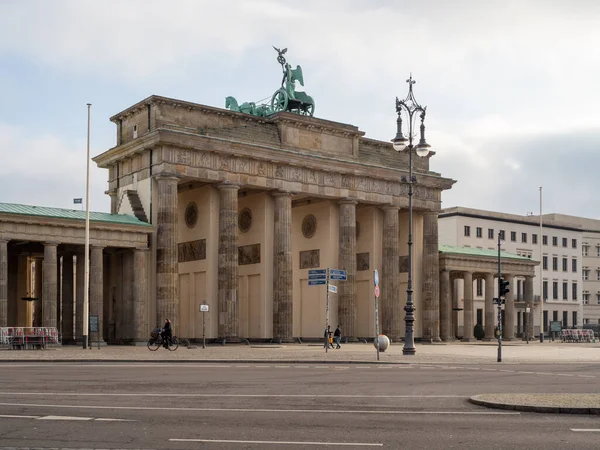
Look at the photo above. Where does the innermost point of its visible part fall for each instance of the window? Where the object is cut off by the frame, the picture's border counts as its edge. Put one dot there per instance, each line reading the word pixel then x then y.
pixel 467 230
pixel 574 318
pixel 479 287
pixel 574 265
pixel 565 317
pixel 585 249
pixel 555 290
pixel 478 232
pixel 574 243
pixel 545 290
pixel 545 240
pixel 585 274
pixel 598 275
pixel 513 236
pixel 545 262
pixel 586 299
pixel 565 290
pixel 565 264
pixel 534 238
pixel 490 233
pixel 554 241
pixel 598 298
pixel 135 131
pixel 554 263
pixel 554 316
pixel 524 238
pixel 565 242
pixel 598 252
pixel 502 235
pixel 574 290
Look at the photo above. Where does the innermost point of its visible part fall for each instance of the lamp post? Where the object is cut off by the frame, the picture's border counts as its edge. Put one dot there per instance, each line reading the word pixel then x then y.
pixel 411 109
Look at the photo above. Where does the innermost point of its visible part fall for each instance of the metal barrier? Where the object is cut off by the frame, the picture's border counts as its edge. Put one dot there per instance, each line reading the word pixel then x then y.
pixel 577 335
pixel 28 338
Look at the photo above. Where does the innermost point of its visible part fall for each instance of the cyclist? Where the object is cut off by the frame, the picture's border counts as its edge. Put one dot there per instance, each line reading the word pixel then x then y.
pixel 167 333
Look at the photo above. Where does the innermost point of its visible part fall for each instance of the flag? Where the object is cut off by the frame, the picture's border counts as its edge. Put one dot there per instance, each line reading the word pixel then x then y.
pixel 78 201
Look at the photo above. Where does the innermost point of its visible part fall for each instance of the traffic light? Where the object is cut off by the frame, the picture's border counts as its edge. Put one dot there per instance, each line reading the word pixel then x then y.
pixel 503 287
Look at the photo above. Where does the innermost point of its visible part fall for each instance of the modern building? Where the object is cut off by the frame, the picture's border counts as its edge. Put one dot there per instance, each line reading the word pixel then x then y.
pixel 569 253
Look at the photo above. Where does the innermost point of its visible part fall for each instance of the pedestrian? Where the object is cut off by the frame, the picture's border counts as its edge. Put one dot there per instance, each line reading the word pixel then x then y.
pixel 167 333
pixel 328 339
pixel 337 335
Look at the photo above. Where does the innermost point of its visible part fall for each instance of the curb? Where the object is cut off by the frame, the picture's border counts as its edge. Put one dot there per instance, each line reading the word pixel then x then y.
pixel 198 361
pixel 534 408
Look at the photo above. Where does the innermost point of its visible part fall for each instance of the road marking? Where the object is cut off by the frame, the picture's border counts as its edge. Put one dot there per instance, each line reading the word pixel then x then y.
pixel 100 419
pixel 64 418
pixel 565 374
pixel 585 429
pixel 586 376
pixel 226 441
pixel 8 416
pixel 545 373
pixel 506 370
pixel 154 394
pixel 246 410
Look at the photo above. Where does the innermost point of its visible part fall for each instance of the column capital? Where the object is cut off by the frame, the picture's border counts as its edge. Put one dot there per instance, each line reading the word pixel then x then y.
pixel 389 207
pixel 4 240
pixel 51 244
pixel 282 193
pixel 348 201
pixel 431 213
pixel 166 176
pixel 228 185
pixel 95 246
pixel 141 249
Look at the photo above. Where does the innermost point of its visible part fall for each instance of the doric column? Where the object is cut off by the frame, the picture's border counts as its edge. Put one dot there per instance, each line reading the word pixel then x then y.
pixel 282 268
pixel 508 330
pixel 3 283
pixel 391 309
pixel 445 307
pixel 49 290
pixel 79 294
pixel 97 289
pixel 140 295
pixel 528 294
pixel 113 201
pixel 167 298
pixel 489 307
pixel 468 307
pixel 347 262
pixel 228 262
pixel 431 278
pixel 67 298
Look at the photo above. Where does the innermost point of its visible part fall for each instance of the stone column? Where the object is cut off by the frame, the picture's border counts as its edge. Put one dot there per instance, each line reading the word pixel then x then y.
pixel 528 296
pixel 97 289
pixel 347 262
pixel 113 201
pixel 508 330
pixel 49 290
pixel 282 268
pixel 468 307
pixel 445 307
pixel 79 294
pixel 391 309
pixel 431 278
pixel 167 298
pixel 3 283
pixel 67 299
pixel 38 284
pixel 228 262
pixel 490 314
pixel 140 295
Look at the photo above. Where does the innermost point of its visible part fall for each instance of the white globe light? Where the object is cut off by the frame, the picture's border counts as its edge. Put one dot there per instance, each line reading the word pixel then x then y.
pixel 423 150
pixel 399 145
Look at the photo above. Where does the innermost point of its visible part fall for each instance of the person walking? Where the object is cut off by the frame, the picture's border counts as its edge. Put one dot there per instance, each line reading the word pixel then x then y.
pixel 327 335
pixel 337 335
pixel 167 333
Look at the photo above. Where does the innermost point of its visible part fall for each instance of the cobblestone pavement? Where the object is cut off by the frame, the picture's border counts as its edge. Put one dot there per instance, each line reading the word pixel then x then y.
pixel 514 352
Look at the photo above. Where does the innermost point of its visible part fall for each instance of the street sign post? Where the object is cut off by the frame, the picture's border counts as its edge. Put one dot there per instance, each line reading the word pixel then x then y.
pixel 316 282
pixel 203 310
pixel 376 282
pixel 332 289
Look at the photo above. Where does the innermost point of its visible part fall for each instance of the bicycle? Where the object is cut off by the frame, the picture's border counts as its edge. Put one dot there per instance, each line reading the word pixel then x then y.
pixel 155 342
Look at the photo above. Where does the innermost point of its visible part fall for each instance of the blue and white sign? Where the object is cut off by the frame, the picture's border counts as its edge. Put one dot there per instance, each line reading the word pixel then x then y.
pixel 333 289
pixel 316 282
pixel 338 277
pixel 317 276
pixel 317 271
pixel 376 277
pixel 337 272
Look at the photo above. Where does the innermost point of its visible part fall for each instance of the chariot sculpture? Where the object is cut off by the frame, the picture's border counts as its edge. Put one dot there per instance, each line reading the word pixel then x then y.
pixel 286 98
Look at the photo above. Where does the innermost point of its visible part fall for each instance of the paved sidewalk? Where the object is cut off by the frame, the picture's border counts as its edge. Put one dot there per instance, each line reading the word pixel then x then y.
pixel 514 352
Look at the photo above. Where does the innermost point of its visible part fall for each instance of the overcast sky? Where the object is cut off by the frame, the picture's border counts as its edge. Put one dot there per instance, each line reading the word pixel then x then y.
pixel 511 87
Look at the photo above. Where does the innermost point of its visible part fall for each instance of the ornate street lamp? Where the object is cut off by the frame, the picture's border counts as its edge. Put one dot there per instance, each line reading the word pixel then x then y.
pixel 411 109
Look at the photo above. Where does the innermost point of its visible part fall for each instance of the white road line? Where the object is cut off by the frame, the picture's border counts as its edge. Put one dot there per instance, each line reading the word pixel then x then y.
pixel 506 370
pixel 8 416
pixel 586 376
pixel 247 410
pixel 564 374
pixel 64 418
pixel 585 429
pixel 153 394
pixel 544 373
pixel 224 441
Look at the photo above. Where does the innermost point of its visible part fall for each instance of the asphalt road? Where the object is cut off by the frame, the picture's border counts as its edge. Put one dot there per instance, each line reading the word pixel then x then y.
pixel 286 406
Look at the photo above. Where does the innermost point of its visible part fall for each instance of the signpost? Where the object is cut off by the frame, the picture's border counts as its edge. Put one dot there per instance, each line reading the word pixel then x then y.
pixel 322 276
pixel 376 282
pixel 94 328
pixel 204 310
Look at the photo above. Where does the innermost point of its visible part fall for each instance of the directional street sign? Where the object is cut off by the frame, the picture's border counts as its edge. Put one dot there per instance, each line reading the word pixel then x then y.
pixel 376 277
pixel 337 272
pixel 338 277
pixel 315 282
pixel 317 276
pixel 333 288
pixel 317 271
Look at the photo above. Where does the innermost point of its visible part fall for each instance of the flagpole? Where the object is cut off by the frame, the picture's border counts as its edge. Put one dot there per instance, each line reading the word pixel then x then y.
pixel 541 275
pixel 86 284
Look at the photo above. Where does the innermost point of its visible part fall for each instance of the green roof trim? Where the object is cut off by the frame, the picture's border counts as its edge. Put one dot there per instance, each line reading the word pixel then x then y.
pixel 71 214
pixel 470 251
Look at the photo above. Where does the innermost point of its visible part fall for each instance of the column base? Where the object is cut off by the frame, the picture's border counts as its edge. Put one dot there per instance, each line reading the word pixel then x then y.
pixel 468 339
pixel 489 339
pixel 283 340
pixel 347 340
pixel 448 339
